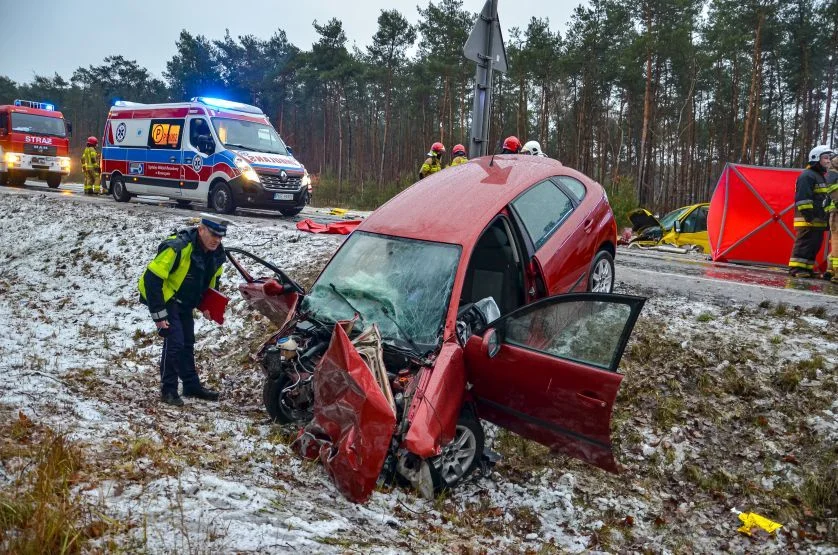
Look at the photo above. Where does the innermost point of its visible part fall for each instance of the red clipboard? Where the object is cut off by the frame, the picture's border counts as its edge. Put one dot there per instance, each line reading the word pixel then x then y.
pixel 215 303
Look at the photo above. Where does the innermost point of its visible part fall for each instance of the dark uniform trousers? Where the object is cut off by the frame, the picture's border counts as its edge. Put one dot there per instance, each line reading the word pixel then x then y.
pixel 807 244
pixel 178 358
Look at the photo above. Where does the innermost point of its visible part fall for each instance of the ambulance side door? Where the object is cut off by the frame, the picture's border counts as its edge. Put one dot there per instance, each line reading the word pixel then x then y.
pixel 163 165
pixel 198 154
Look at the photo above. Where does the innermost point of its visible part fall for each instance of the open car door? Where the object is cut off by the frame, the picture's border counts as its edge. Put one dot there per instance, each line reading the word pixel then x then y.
pixel 275 297
pixel 547 371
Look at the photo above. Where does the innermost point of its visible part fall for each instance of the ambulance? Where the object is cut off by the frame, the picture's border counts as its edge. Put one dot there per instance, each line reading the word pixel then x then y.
pixel 33 143
pixel 209 150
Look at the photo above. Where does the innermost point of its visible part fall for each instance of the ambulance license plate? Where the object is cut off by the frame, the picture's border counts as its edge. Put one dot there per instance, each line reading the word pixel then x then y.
pixel 283 196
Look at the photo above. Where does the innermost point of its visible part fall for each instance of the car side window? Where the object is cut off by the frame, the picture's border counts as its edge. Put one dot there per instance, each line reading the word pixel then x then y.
pixel 576 187
pixel 695 222
pixel 165 134
pixel 584 331
pixel 542 209
pixel 4 121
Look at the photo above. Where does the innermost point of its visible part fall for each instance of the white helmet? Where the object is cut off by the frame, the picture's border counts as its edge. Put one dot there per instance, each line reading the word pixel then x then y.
pixel 814 154
pixel 534 148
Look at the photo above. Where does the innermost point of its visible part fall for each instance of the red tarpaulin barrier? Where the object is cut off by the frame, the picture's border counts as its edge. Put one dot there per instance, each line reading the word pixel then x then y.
pixel 340 228
pixel 751 217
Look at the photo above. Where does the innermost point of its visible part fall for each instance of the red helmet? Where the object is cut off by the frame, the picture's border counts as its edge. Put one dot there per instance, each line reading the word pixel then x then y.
pixel 512 144
pixel 459 150
pixel 92 141
pixel 438 148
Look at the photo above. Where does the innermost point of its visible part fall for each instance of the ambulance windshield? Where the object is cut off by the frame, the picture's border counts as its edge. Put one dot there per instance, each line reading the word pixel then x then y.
pixel 249 135
pixel 38 125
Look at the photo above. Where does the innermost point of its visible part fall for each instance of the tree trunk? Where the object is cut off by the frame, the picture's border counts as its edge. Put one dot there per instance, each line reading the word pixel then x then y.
pixel 647 102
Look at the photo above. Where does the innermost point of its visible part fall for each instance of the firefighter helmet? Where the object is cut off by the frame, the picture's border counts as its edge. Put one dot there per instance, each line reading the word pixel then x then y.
pixel 438 148
pixel 816 153
pixel 459 150
pixel 512 144
pixel 92 141
pixel 534 148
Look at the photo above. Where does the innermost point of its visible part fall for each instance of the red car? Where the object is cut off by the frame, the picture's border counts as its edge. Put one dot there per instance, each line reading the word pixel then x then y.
pixel 481 292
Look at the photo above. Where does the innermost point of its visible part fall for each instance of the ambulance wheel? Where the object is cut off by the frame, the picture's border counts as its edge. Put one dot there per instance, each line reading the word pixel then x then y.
pixel 118 190
pixel 290 211
pixel 221 199
pixel 53 181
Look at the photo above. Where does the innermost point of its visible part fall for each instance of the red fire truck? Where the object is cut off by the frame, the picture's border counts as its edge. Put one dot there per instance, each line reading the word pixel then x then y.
pixel 33 143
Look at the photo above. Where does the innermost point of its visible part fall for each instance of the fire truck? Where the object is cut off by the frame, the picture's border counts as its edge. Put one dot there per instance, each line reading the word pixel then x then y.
pixel 34 142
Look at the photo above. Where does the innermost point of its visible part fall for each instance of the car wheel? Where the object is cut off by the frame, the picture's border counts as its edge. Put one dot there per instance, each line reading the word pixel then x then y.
pixel 601 277
pixel 53 181
pixel 290 211
pixel 279 407
pixel 221 199
pixel 118 190
pixel 4 178
pixel 184 203
pixel 460 457
pixel 16 180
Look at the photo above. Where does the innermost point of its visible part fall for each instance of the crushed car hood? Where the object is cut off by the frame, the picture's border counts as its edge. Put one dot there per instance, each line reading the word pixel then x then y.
pixel 642 219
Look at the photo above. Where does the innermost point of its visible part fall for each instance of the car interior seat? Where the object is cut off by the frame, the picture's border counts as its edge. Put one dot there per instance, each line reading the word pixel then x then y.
pixel 492 272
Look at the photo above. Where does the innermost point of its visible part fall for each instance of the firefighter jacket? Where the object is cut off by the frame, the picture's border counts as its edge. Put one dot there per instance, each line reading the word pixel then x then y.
pixel 809 197
pixel 431 165
pixel 182 271
pixel 458 160
pixel 832 192
pixel 90 159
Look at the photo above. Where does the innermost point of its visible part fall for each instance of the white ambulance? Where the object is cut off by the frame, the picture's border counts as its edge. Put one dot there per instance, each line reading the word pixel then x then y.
pixel 225 154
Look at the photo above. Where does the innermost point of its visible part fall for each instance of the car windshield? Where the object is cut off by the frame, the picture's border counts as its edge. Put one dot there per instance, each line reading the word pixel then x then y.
pixel 403 285
pixel 669 220
pixel 38 125
pixel 249 135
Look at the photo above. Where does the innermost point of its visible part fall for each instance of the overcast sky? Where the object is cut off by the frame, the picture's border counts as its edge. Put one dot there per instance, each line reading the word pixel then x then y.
pixel 47 36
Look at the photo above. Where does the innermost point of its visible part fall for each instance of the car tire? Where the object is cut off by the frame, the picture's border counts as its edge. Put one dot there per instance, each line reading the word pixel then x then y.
pixel 53 181
pixel 221 199
pixel 461 456
pixel 16 180
pixel 279 412
pixel 601 276
pixel 290 211
pixel 184 203
pixel 118 190
pixel 4 178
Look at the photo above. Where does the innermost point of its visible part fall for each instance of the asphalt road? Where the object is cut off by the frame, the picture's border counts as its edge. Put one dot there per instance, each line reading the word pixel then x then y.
pixel 691 275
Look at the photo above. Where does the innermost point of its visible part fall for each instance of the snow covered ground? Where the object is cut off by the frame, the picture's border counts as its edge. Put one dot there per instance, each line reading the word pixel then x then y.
pixel 722 406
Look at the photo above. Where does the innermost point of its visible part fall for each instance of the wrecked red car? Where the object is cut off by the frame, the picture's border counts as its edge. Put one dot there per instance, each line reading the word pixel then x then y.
pixel 480 293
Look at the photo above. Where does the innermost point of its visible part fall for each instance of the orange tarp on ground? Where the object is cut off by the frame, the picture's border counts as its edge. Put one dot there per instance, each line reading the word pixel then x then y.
pixel 751 217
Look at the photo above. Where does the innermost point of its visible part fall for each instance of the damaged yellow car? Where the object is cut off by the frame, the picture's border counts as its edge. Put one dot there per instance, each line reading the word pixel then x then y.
pixel 683 227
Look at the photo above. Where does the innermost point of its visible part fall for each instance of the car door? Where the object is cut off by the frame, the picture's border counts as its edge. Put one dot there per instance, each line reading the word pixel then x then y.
pixel 163 167
pixel 555 229
pixel 693 229
pixel 197 165
pixel 553 379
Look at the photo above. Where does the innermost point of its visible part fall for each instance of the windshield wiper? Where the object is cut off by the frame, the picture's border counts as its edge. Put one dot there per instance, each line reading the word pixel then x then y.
pixel 243 147
pixel 346 300
pixel 405 336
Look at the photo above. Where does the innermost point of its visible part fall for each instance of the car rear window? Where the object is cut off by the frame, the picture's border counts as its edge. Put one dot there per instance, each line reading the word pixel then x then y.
pixel 542 209
pixel 576 187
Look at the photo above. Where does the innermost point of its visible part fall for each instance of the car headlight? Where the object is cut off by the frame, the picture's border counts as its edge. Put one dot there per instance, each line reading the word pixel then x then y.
pixel 247 170
pixel 64 162
pixel 12 158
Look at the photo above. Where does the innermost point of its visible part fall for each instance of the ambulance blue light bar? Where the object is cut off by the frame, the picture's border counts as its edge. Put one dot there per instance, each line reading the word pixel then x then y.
pixel 228 105
pixel 37 105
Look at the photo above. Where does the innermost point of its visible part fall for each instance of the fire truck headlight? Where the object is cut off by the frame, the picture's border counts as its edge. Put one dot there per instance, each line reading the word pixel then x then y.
pixel 12 158
pixel 65 163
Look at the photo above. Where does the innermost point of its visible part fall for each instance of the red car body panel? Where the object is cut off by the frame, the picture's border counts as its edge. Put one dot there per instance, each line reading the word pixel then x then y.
pixel 435 410
pixel 267 297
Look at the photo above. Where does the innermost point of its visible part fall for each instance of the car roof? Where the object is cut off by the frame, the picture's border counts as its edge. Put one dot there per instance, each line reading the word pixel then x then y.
pixel 455 205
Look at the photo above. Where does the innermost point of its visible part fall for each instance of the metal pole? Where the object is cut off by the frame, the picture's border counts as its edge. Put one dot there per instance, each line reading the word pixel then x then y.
pixel 479 144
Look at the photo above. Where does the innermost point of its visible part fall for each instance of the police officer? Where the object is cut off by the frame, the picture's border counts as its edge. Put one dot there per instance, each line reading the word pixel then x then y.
pixel 433 163
pixel 90 166
pixel 187 264
pixel 459 154
pixel 809 215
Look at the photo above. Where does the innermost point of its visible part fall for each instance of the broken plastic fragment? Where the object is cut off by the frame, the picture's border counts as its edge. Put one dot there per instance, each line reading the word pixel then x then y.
pixel 753 520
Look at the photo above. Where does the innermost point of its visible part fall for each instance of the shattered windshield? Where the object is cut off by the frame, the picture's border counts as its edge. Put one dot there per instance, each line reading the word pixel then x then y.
pixel 669 220
pixel 403 285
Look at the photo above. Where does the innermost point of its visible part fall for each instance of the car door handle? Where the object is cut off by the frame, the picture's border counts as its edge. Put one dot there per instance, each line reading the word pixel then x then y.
pixel 591 400
pixel 589 224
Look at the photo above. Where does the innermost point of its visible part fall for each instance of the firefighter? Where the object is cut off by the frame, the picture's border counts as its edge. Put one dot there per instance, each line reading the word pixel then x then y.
pixel 90 166
pixel 511 145
pixel 433 163
pixel 832 213
pixel 459 154
pixel 533 148
pixel 172 286
pixel 809 213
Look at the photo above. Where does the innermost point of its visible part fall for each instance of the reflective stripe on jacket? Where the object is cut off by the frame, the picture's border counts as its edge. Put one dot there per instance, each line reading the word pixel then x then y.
pixel 458 160
pixel 431 165
pixel 90 159
pixel 809 196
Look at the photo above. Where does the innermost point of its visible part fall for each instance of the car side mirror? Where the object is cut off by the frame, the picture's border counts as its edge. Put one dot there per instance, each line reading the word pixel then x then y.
pixel 491 342
pixel 69 128
pixel 677 226
pixel 290 150
pixel 205 144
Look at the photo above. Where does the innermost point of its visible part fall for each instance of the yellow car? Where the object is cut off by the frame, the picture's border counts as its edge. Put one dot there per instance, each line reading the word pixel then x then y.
pixel 682 227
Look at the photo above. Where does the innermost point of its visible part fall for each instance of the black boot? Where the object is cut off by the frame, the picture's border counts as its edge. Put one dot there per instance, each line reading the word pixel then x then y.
pixel 171 399
pixel 202 393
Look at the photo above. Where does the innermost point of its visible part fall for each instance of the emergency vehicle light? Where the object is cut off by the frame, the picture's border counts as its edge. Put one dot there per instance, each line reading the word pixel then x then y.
pixel 126 103
pixel 37 105
pixel 228 105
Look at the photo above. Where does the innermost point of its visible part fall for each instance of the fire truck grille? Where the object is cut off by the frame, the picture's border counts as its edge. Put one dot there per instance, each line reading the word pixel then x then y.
pixel 271 181
pixel 40 150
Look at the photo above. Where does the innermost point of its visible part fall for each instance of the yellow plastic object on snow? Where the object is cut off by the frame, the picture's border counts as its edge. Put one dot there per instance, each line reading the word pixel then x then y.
pixel 338 211
pixel 753 520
